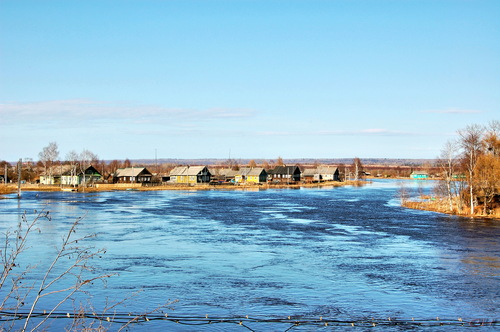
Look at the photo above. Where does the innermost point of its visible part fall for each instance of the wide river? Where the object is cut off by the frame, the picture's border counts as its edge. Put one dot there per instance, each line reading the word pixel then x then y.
pixel 345 253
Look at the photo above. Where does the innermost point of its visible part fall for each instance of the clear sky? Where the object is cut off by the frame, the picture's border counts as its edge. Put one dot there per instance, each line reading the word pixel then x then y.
pixel 254 78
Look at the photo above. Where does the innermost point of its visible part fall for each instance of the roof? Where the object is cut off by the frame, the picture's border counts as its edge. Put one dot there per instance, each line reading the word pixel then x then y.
pixel 284 170
pixel 57 170
pixel 187 170
pixel 310 172
pixel 256 171
pixel 179 170
pixel 227 172
pixel 195 170
pixel 131 171
pixel 78 171
pixel 249 171
pixel 327 169
pixel 243 171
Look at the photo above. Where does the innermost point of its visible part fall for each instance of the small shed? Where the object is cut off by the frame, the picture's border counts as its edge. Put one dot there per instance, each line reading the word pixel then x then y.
pixel 419 175
pixel 311 175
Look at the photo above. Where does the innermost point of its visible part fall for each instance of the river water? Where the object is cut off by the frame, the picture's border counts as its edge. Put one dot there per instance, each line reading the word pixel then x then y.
pixel 345 253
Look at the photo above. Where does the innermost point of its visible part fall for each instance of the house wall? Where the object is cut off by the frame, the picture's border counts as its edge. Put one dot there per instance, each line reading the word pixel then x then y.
pixel 257 178
pixel 46 179
pixel 253 179
pixel 179 179
pixel 70 180
pixel 190 179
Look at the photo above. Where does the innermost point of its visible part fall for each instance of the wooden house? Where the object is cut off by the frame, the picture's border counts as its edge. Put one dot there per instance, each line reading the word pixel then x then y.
pixel 257 175
pixel 132 175
pixel 74 176
pixel 321 173
pixel 328 173
pixel 222 175
pixel 251 175
pixel 190 174
pixel 284 174
pixel 53 175
pixel 310 175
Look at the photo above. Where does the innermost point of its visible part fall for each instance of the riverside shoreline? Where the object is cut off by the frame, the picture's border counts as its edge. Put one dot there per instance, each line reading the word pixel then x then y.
pixel 9 189
pixel 440 207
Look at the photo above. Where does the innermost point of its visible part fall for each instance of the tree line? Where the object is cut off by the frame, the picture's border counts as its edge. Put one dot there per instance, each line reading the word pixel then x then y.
pixel 50 158
pixel 470 170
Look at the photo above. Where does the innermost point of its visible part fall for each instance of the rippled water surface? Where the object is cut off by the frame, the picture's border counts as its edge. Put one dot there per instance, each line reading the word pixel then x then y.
pixel 334 252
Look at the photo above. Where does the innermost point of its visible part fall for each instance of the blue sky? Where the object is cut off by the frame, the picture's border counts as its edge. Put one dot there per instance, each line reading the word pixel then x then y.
pixel 258 79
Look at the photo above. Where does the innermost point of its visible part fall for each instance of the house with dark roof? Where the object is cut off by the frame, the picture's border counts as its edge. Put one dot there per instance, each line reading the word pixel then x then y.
pixel 132 175
pixel 284 174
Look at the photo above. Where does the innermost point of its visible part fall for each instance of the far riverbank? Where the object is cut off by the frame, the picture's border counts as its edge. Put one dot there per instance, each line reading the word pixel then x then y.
pixel 9 189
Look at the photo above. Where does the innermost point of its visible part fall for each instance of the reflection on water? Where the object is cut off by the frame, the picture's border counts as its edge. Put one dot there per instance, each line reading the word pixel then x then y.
pixel 339 252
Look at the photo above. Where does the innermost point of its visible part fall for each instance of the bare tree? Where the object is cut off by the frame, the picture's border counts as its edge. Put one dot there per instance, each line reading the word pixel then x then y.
pixel 357 166
pixel 448 164
pixel 492 138
pixel 86 157
pixel 127 163
pixel 487 179
pixel 48 156
pixel 403 192
pixel 72 158
pixel 12 280
pixel 68 273
pixel 471 144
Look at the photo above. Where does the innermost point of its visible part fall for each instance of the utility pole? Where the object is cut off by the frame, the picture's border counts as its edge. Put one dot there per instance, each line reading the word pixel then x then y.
pixel 5 177
pixel 19 166
pixel 156 162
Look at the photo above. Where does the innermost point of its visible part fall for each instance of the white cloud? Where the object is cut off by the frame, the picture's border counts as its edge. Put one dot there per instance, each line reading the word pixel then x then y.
pixel 363 132
pixel 76 112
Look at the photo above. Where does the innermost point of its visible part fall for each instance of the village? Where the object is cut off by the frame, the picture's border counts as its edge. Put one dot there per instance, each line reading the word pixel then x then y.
pixel 190 175
pixel 74 177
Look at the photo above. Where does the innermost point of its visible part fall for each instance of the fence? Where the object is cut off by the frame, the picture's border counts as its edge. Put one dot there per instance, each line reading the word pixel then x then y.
pixel 249 323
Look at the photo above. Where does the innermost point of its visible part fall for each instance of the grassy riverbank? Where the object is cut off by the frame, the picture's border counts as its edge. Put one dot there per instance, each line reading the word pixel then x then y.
pixel 6 190
pixel 441 206
pixel 137 187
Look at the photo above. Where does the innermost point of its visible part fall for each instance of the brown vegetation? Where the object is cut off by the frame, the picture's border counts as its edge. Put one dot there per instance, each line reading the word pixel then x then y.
pixel 6 190
pixel 442 207
pixel 470 175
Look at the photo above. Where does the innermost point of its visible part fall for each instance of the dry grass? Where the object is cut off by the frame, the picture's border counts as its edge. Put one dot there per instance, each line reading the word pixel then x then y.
pixel 442 207
pixel 6 189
